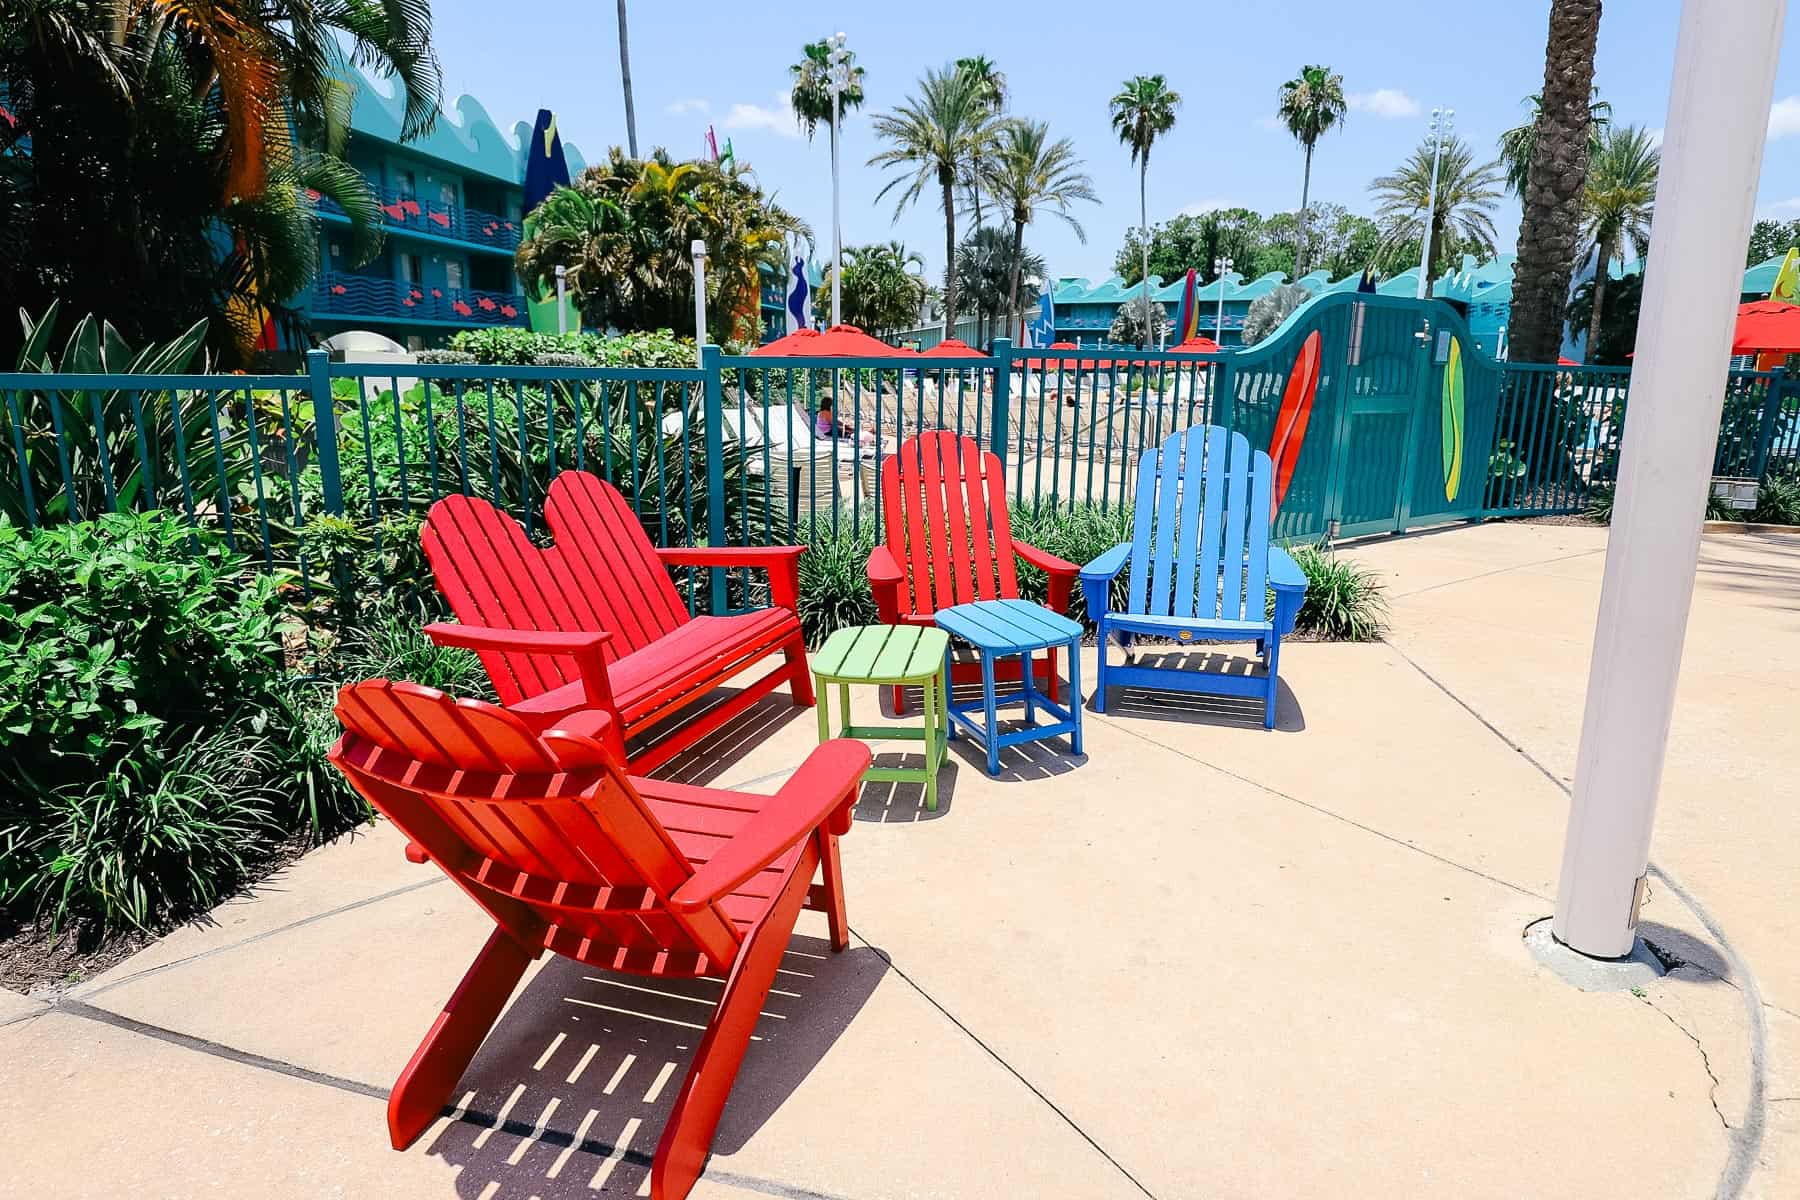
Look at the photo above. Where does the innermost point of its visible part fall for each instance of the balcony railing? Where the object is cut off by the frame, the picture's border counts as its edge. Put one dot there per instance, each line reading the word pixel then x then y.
pixel 463 224
pixel 366 296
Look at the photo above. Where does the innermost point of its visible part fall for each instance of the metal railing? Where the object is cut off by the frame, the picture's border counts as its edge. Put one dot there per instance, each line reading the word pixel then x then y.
pixel 341 294
pixel 476 226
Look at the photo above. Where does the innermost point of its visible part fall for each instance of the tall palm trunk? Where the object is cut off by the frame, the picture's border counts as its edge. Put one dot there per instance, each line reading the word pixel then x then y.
pixel 948 180
pixel 1300 231
pixel 1144 225
pixel 1593 339
pixel 1549 230
pixel 625 79
pixel 1018 249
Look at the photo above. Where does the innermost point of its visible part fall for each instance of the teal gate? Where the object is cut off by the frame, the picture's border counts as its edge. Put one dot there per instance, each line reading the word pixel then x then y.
pixel 1379 412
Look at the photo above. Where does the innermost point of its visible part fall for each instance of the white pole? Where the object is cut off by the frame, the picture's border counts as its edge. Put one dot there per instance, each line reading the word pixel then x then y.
pixel 1437 149
pixel 1712 150
pixel 840 71
pixel 562 299
pixel 1220 266
pixel 699 251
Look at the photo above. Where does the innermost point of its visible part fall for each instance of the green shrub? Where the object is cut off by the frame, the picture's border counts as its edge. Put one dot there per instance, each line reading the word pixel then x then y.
pixel 1077 534
pixel 516 347
pixel 443 358
pixel 1778 499
pixel 1344 601
pixel 146 741
pixel 834 583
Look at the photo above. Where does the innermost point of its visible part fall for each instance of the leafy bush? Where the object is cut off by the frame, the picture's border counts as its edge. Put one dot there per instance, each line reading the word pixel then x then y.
pixel 443 358
pixel 146 745
pixel 834 583
pixel 1344 601
pixel 1076 534
pixel 558 358
pixel 1778 499
pixel 516 347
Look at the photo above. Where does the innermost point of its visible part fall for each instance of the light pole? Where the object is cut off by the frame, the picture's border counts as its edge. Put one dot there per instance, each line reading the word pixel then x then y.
pixel 562 298
pixel 1712 151
pixel 699 252
pixel 839 76
pixel 1220 266
pixel 1442 121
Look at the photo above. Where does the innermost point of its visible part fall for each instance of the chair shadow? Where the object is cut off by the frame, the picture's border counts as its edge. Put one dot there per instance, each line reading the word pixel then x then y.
pixel 719 751
pixel 569 1094
pixel 1200 708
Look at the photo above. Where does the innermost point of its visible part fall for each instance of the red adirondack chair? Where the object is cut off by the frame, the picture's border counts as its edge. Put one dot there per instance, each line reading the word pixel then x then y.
pixel 595 621
pixel 949 542
pixel 568 853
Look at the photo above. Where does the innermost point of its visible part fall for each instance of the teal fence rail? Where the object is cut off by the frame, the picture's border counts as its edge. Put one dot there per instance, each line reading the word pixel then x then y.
pixel 1381 413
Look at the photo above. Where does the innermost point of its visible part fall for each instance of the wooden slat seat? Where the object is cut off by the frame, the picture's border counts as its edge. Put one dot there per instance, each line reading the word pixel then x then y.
pixel 646 659
pixel 546 832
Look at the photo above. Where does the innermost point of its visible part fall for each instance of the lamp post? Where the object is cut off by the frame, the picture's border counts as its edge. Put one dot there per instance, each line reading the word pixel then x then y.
pixel 1220 266
pixel 1712 151
pixel 1443 120
pixel 562 299
pixel 839 77
pixel 699 252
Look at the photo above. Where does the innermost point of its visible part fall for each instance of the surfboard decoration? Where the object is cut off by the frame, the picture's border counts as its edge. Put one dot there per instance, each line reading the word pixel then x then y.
pixel 1453 420
pixel 1291 419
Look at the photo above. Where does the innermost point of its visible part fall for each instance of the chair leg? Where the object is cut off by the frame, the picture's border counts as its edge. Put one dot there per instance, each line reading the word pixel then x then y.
pixel 899 700
pixel 831 871
pixel 1050 685
pixel 1099 673
pixel 687 1139
pixel 799 678
pixel 1269 701
pixel 425 1085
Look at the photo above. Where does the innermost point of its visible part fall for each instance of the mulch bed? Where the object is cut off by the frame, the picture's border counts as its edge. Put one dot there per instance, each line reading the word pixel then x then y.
pixel 44 963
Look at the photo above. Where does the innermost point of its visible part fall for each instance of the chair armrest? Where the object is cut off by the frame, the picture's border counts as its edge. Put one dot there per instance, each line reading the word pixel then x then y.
pixel 1097 577
pixel 585 648
pixel 1289 582
pixel 586 739
pixel 781 562
pixel 825 782
pixel 885 581
pixel 1062 573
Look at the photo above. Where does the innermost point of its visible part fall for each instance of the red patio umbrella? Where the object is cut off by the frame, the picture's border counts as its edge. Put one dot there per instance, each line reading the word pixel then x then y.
pixel 1566 362
pixel 953 348
pixel 840 341
pixel 1767 325
pixel 1199 344
pixel 1085 364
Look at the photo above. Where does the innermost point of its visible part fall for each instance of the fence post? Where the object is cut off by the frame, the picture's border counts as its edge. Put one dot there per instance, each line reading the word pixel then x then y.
pixel 1003 350
pixel 1224 391
pixel 1765 433
pixel 325 439
pixel 713 418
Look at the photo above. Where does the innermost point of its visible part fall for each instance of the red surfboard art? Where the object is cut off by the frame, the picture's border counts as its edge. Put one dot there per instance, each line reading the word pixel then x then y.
pixel 1291 419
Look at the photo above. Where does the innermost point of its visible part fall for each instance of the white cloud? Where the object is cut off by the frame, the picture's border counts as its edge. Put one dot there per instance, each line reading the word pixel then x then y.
pixel 777 118
pixel 1384 102
pixel 690 106
pixel 1205 206
pixel 1784 118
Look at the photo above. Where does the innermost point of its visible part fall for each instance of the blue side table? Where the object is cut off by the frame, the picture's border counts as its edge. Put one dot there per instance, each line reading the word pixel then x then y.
pixel 1001 628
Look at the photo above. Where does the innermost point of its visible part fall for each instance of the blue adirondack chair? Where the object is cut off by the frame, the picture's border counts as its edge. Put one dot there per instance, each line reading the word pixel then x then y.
pixel 1200 564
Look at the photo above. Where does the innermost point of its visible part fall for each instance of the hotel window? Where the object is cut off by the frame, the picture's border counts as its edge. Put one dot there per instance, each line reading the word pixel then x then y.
pixel 411 269
pixel 408 186
pixel 453 275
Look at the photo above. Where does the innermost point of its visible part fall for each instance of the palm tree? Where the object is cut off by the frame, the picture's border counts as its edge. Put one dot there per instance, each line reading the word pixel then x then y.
pixel 1029 174
pixel 985 266
pixel 1142 111
pixel 1551 223
pixel 1519 143
pixel 625 81
pixel 811 91
pixel 1467 195
pixel 990 81
pixel 932 136
pixel 883 286
pixel 1310 104
pixel 1620 199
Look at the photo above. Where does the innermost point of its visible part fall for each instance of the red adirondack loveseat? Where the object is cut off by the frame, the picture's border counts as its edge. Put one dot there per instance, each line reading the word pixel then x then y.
pixel 594 620
pixel 568 853
pixel 949 541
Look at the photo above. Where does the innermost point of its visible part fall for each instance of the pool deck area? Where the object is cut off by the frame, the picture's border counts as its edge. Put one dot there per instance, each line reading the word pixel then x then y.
pixel 1201 960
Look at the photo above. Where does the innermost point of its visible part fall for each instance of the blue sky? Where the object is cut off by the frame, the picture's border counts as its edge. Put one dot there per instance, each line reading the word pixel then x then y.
pixel 702 62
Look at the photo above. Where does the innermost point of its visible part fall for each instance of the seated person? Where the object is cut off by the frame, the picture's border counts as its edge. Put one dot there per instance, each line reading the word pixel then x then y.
pixel 825 425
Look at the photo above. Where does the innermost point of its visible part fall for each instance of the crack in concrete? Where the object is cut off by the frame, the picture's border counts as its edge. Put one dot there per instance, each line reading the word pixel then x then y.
pixel 1712 1093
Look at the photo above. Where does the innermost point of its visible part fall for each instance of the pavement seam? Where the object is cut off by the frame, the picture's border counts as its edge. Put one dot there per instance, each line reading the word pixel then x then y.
pixel 549 1135
pixel 1009 1068
pixel 1745 1139
pixel 1498 571
pixel 1712 1093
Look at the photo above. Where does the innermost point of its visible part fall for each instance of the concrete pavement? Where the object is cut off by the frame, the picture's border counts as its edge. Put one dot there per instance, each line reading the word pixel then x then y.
pixel 1203 960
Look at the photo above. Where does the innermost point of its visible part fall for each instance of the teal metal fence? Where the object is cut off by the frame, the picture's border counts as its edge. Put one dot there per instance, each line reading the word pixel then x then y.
pixel 1381 413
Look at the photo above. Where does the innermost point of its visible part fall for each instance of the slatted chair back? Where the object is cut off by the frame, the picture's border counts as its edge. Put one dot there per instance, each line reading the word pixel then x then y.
pixel 545 833
pixel 1200 533
pixel 601 575
pixel 944 502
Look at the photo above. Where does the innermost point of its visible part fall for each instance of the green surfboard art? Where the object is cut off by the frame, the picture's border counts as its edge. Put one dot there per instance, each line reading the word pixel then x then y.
pixel 1453 421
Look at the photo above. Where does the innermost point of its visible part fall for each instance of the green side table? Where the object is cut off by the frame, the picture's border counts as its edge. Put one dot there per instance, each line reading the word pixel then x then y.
pixel 888 656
